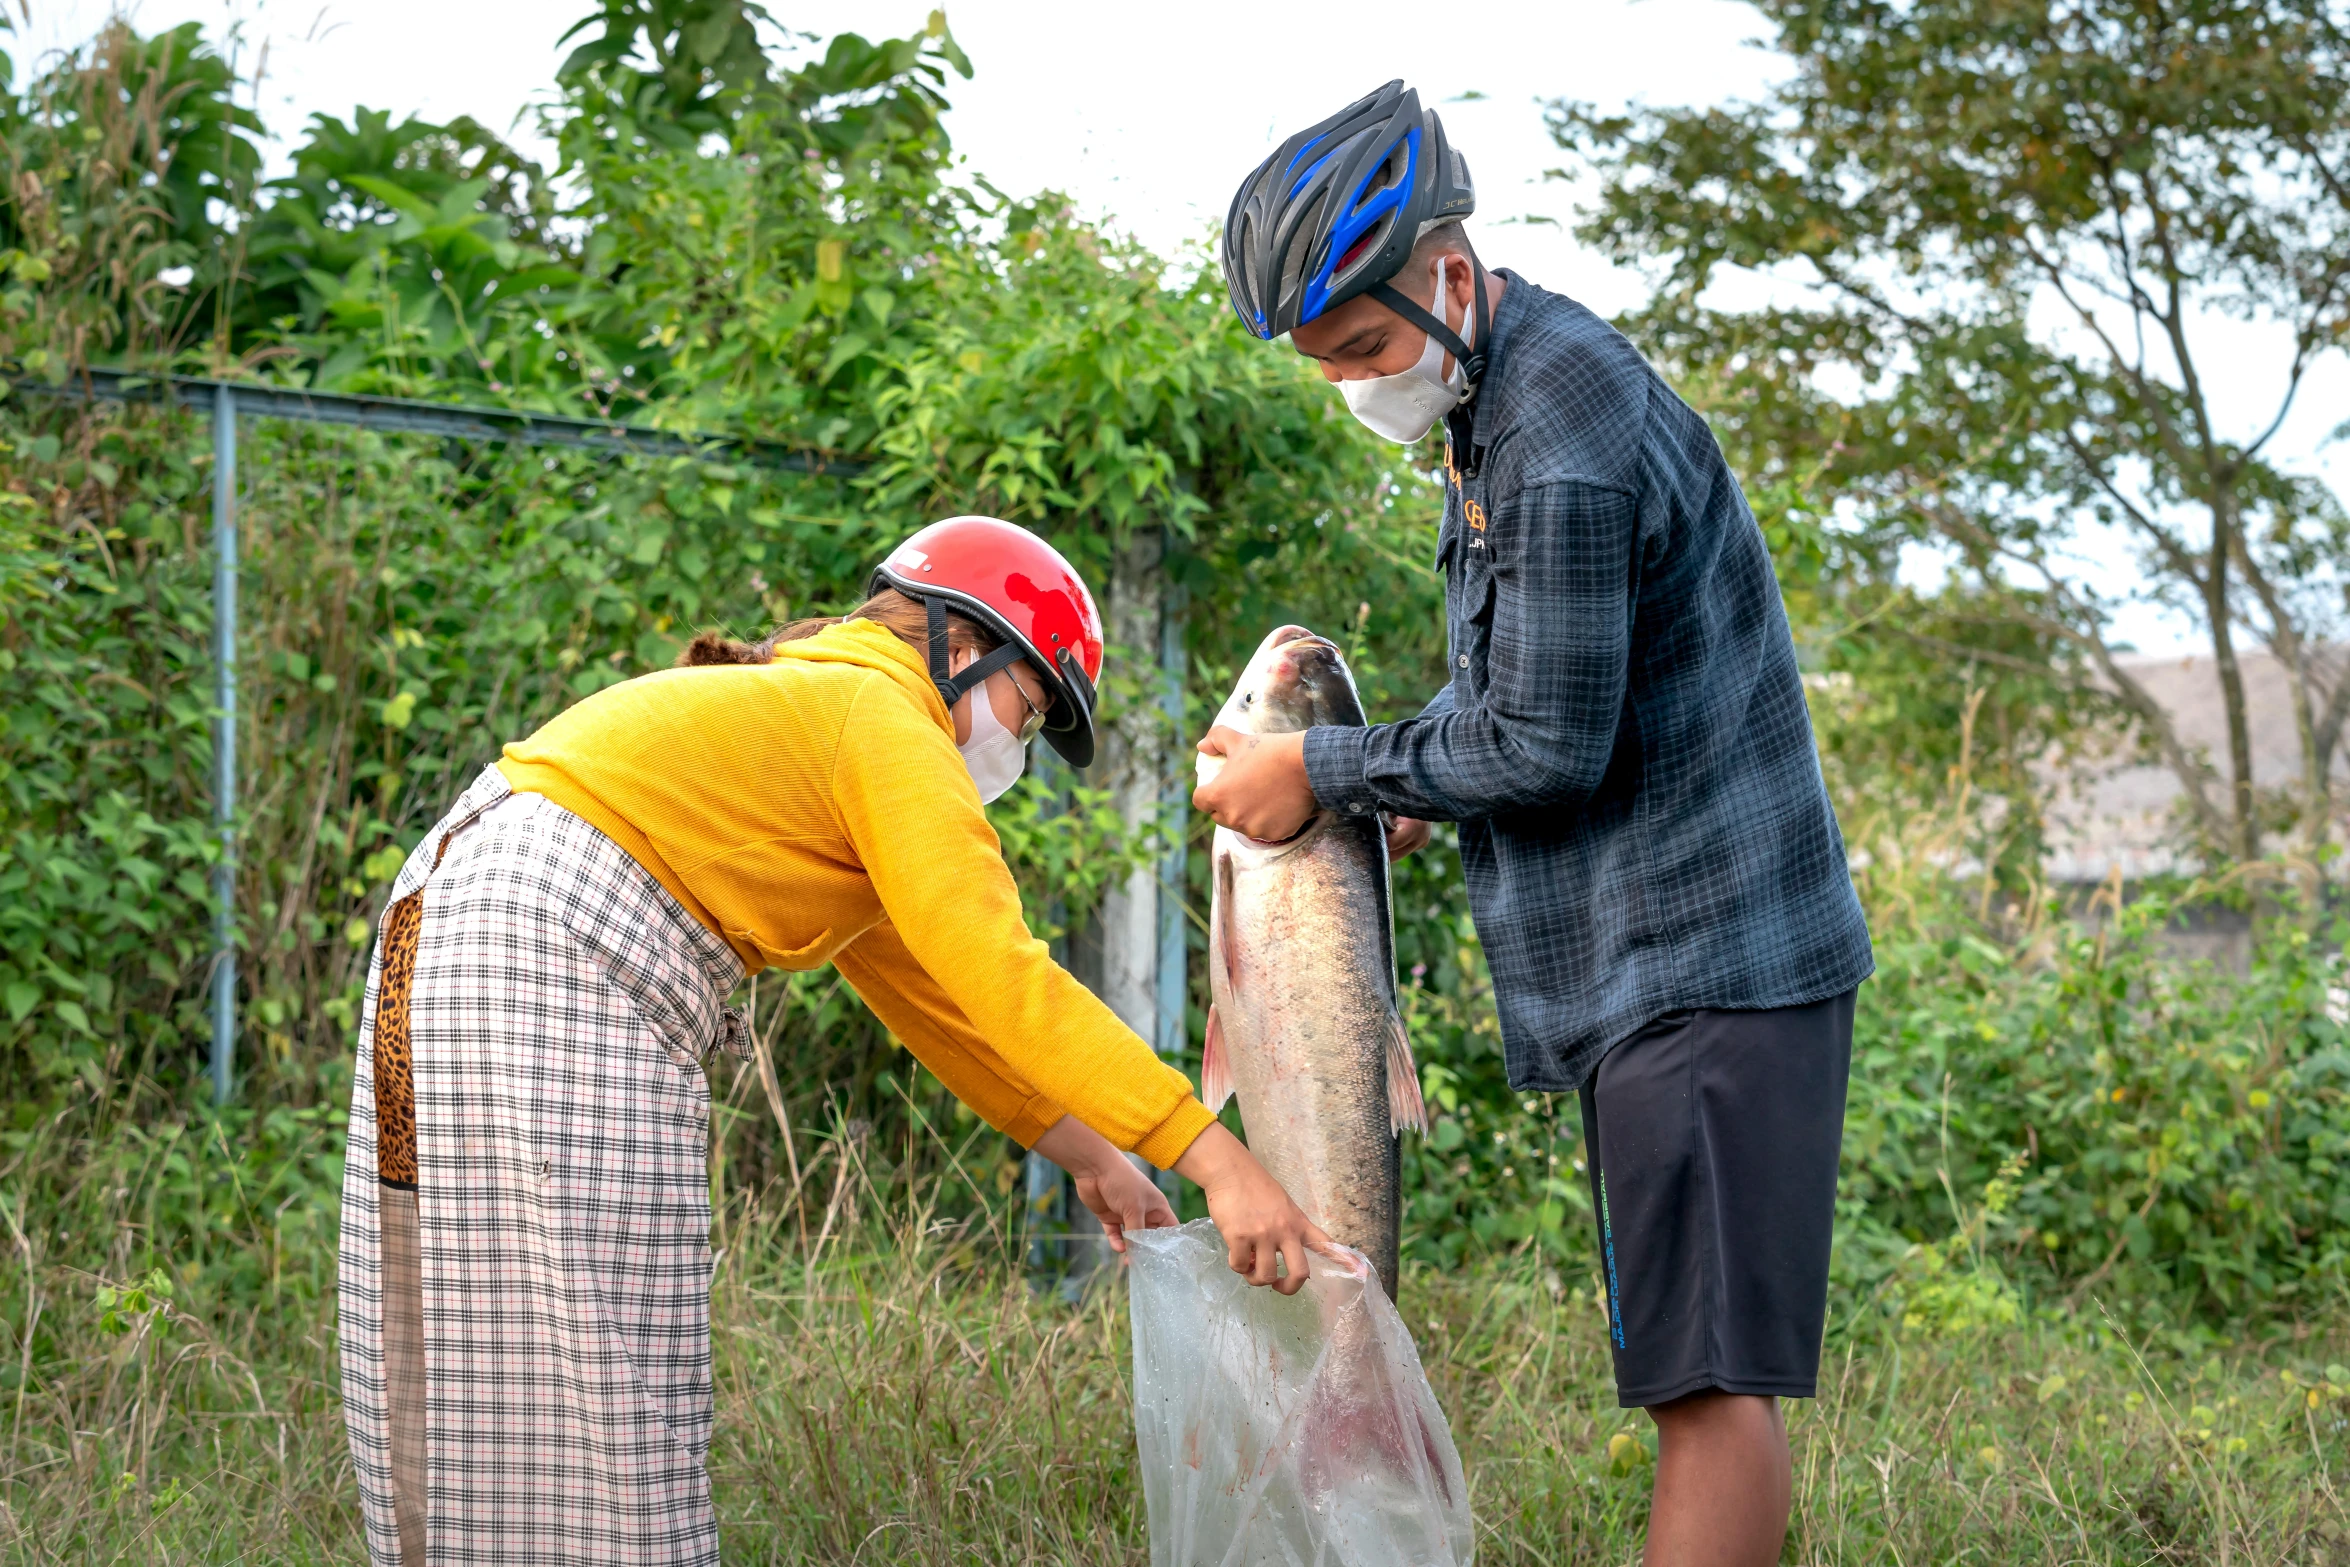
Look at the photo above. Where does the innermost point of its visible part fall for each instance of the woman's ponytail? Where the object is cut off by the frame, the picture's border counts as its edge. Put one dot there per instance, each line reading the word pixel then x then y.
pixel 898 612
pixel 716 647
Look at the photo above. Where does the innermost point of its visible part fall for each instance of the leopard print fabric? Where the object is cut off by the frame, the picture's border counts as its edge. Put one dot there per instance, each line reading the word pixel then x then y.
pixel 395 1076
pixel 395 1063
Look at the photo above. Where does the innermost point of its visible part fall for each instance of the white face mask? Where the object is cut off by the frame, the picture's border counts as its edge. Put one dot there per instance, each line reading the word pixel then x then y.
pixel 993 753
pixel 1405 406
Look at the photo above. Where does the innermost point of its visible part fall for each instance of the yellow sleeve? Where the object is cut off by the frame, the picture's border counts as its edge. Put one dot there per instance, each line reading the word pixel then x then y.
pixel 878 967
pixel 910 812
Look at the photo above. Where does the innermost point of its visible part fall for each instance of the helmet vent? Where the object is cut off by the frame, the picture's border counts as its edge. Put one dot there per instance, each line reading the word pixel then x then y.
pixel 1244 286
pixel 1293 269
pixel 1363 250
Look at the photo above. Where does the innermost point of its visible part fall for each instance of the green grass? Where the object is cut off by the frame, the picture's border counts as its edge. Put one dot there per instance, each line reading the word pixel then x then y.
pixel 909 1401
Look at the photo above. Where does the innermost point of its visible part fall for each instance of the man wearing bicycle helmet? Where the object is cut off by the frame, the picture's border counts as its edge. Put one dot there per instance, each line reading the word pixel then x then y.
pixel 1654 866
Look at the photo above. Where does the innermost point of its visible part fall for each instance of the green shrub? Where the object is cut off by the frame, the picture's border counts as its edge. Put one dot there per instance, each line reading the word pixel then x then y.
pixel 2183 1132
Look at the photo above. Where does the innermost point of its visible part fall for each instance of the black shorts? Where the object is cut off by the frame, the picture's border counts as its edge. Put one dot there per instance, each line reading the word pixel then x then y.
pixel 1712 1140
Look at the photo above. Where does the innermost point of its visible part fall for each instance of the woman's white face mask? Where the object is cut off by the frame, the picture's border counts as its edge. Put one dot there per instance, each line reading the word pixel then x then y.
pixel 996 756
pixel 1405 406
pixel 993 753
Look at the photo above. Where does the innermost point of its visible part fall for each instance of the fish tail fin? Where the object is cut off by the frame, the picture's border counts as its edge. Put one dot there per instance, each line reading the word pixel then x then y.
pixel 1215 1072
pixel 1405 1107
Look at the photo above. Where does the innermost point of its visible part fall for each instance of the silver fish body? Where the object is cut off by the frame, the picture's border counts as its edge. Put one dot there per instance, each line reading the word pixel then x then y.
pixel 1301 963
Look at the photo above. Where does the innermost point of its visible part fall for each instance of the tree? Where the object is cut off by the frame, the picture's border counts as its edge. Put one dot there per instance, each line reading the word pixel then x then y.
pixel 768 264
pixel 119 166
pixel 396 254
pixel 2022 227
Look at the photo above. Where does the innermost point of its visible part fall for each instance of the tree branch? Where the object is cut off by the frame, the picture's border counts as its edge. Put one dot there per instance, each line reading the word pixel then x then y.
pixel 2306 342
pixel 2195 777
pixel 2284 642
pixel 2141 385
pixel 2182 560
pixel 2328 733
pixel 2173 317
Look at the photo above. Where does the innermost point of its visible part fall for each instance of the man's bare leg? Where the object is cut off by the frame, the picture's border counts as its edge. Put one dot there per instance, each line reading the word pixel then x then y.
pixel 1723 1482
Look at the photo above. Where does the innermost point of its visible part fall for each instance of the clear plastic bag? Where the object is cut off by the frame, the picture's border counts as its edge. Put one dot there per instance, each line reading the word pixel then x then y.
pixel 1292 1431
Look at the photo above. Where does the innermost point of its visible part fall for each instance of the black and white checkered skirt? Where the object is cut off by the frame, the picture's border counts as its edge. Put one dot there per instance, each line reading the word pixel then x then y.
pixel 562 1002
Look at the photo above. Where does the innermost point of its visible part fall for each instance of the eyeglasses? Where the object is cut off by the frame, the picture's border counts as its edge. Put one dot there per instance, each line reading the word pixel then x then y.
pixel 1035 719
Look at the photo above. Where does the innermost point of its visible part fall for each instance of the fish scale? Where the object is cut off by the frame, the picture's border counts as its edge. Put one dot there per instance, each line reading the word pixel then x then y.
pixel 1304 1029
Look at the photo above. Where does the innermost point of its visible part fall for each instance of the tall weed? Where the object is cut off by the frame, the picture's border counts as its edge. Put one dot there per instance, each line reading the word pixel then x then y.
pixel 891 1389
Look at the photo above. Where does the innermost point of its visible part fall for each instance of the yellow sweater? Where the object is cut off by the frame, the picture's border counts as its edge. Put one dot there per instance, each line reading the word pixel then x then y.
pixel 815 810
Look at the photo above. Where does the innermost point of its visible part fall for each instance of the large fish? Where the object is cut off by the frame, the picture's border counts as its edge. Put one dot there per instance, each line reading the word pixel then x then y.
pixel 1301 962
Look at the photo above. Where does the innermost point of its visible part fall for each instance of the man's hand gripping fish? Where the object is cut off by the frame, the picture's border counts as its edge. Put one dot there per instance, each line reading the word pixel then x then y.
pixel 1301 962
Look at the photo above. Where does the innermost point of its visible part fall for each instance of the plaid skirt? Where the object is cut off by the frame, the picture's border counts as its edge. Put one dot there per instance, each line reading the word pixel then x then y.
pixel 548 1304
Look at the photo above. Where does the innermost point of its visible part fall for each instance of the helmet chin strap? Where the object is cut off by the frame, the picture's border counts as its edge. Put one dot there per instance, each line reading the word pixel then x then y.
pixel 1471 360
pixel 952 687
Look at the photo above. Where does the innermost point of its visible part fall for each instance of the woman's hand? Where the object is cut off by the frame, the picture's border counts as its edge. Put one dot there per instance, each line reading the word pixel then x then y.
pixel 1123 1198
pixel 1118 1194
pixel 1262 1229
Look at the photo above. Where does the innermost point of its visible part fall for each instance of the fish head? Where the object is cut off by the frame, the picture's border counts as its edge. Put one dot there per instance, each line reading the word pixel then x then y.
pixel 1296 680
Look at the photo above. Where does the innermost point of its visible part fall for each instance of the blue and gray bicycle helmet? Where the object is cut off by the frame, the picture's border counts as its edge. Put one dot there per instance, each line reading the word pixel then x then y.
pixel 1335 211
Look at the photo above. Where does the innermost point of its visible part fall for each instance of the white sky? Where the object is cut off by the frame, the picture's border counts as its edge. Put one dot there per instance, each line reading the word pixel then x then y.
pixel 1151 115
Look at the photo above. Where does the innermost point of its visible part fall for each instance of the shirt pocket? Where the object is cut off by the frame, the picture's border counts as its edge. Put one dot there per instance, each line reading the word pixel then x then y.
pixel 1469 615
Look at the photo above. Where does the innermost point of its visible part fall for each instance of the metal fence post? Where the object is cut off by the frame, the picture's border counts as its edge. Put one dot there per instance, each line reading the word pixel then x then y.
pixel 1042 1182
pixel 1174 990
pixel 224 741
pixel 1174 979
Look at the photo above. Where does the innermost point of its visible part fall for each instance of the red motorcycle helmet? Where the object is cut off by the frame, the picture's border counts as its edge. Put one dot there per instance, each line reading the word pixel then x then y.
pixel 1019 588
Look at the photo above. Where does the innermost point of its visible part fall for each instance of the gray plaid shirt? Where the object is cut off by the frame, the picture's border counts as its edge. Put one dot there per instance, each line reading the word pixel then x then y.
pixel 1624 742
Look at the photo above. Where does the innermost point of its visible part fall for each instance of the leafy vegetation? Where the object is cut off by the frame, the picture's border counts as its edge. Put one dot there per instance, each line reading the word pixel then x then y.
pixel 411 606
